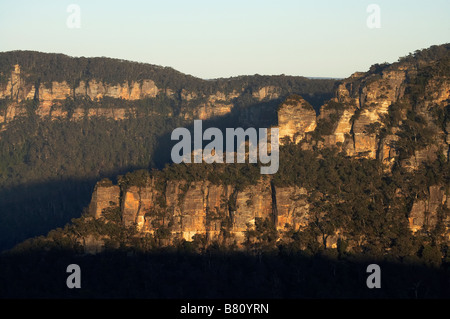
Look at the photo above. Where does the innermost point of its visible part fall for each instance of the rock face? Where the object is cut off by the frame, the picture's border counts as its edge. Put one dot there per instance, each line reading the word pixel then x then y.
pixel 217 104
pixel 18 89
pixel 50 97
pixel 104 197
pixel 267 92
pixel 363 100
pixel 225 213
pixel 357 119
pixel 296 117
pixel 252 202
pixel 218 211
pixel 291 207
pixel 425 213
pixel 57 87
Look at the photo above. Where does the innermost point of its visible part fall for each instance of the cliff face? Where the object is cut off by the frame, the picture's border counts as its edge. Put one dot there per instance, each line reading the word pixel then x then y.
pixel 426 212
pixel 51 96
pixel 18 89
pixel 296 117
pixel 216 104
pixel 224 213
pixel 267 92
pixel 357 119
pixel 221 212
pixel 104 197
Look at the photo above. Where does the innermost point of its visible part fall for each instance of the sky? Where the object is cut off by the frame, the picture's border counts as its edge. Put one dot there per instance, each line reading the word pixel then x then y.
pixel 212 39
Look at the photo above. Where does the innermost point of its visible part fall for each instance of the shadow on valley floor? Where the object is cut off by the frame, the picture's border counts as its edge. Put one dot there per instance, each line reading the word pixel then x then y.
pixel 173 274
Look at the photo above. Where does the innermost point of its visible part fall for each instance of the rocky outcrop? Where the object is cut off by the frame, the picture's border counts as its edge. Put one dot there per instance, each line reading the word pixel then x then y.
pixel 218 211
pixel 267 92
pixel 296 117
pixel 103 197
pixel 214 105
pixel 225 212
pixel 292 207
pixel 363 100
pixel 386 150
pixel 426 213
pixel 357 119
pixel 50 96
pixel 18 89
pixel 335 123
pixel 252 202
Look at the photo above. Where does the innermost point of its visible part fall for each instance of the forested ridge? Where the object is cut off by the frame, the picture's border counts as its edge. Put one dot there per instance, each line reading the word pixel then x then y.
pixel 47 67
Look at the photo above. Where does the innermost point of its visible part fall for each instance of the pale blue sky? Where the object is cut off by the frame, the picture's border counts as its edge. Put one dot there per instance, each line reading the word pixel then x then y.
pixel 212 39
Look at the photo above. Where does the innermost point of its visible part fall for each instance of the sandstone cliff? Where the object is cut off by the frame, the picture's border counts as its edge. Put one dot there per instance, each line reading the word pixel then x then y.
pixel 221 212
pixel 358 120
pixel 22 85
pixel 427 212
pixel 296 117
pixel 224 213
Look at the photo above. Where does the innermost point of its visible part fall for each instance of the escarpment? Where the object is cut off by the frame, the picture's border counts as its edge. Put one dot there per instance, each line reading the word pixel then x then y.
pixel 59 87
pixel 296 117
pixel 217 211
pixel 174 210
pixel 396 111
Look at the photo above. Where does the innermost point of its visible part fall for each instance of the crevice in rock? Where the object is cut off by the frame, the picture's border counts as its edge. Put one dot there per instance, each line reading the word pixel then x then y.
pixel 274 203
pixel 139 206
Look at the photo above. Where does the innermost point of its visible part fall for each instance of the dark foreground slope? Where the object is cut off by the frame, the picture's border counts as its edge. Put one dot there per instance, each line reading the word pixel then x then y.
pixel 171 274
